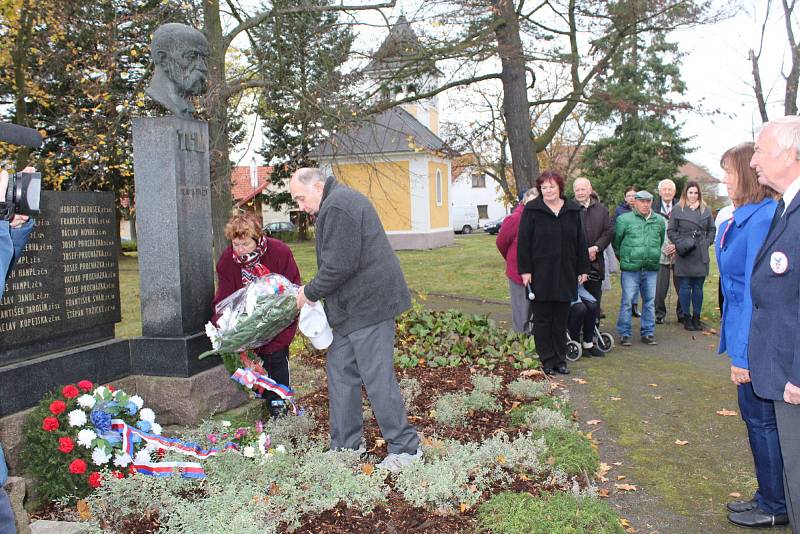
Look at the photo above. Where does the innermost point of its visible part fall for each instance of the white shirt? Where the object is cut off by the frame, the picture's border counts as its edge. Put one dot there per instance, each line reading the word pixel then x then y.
pixel 723 215
pixel 666 209
pixel 790 193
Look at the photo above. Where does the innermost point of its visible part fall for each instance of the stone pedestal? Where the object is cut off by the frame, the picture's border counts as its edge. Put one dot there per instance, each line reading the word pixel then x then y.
pixel 173 225
pixel 15 487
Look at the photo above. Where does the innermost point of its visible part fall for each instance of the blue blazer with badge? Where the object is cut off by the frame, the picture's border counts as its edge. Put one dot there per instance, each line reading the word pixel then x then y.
pixel 774 352
pixel 738 242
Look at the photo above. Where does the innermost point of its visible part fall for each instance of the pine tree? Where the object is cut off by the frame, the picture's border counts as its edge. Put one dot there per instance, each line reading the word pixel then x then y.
pixel 635 96
pixel 300 55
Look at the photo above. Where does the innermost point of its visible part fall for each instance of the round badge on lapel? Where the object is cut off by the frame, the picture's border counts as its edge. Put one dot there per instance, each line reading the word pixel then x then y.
pixel 778 262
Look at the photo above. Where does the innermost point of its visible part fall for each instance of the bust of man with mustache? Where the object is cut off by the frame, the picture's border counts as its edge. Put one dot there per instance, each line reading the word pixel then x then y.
pixel 179 53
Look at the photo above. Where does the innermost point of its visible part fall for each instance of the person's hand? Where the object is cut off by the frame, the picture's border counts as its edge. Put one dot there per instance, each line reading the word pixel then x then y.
pixel 739 375
pixel 593 253
pixel 791 393
pixel 526 278
pixel 302 300
pixel 670 249
pixel 582 278
pixel 18 220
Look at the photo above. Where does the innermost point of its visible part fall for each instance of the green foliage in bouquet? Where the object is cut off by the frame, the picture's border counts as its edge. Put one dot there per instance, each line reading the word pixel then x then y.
pixel 451 338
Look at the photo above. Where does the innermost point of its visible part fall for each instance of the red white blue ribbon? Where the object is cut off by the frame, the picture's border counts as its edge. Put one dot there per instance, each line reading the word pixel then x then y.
pixel 164 469
pixel 249 378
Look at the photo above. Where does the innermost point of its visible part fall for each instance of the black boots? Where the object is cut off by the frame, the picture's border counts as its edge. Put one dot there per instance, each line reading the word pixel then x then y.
pixel 692 323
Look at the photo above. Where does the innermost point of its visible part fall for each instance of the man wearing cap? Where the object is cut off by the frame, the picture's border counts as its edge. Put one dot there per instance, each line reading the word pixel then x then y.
pixel 638 237
pixel 360 280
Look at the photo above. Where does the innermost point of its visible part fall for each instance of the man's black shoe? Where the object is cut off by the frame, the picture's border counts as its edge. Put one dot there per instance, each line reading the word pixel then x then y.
pixel 625 341
pixel 562 369
pixel 659 320
pixel 594 351
pixel 549 371
pixel 649 340
pixel 757 519
pixel 742 506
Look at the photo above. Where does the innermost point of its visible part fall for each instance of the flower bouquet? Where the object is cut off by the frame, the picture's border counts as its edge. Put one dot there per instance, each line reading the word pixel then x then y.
pixel 70 438
pixel 253 315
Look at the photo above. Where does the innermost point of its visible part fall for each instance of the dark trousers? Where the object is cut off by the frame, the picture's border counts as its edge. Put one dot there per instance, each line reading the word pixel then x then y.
pixel 762 431
pixel 550 331
pixel 788 418
pixel 595 289
pixel 582 318
pixel 662 289
pixel 690 290
pixel 276 364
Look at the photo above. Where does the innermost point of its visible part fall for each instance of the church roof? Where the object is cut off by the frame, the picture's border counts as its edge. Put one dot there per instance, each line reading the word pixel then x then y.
pixel 393 130
pixel 402 48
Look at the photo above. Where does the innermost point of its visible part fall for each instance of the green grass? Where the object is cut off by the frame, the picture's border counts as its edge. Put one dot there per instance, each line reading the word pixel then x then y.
pixel 131 324
pixel 572 452
pixel 560 513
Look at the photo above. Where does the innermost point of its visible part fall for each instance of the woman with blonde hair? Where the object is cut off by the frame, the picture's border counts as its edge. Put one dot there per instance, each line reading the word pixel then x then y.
pixel 739 240
pixel 250 256
pixel 691 229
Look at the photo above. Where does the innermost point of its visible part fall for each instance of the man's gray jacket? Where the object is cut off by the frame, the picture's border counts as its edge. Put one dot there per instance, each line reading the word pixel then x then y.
pixel 358 274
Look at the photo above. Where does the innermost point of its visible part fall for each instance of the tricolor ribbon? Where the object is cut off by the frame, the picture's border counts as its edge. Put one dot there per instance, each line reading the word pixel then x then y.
pixel 131 434
pixel 249 378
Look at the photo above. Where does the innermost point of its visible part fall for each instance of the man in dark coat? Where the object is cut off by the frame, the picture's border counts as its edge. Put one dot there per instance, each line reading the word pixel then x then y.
pixel 599 233
pixel 774 348
pixel 360 279
pixel 663 206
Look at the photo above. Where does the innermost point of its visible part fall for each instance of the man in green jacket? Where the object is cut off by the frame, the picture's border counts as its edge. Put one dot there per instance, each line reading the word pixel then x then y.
pixel 638 236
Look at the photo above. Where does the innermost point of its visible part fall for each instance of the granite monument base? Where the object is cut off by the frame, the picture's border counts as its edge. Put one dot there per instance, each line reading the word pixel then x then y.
pixel 170 356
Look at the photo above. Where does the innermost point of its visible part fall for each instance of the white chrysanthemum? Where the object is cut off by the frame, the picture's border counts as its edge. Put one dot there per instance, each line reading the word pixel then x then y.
pixel 262 441
pixel 142 457
pixel 85 437
pixel 249 452
pixel 226 424
pixel 86 401
pixel 213 335
pixel 156 429
pixel 137 401
pixel 76 418
pixel 122 460
pixel 226 321
pixel 99 456
pixel 281 449
pixel 250 302
pixel 146 414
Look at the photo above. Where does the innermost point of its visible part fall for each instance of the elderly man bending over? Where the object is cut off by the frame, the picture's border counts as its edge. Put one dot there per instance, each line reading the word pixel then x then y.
pixel 359 278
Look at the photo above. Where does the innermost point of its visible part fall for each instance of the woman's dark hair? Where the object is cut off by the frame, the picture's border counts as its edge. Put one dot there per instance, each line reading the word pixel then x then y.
pixel 547 176
pixel 736 161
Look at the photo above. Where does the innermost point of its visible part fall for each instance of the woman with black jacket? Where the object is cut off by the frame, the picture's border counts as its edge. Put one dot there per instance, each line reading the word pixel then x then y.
pixel 552 255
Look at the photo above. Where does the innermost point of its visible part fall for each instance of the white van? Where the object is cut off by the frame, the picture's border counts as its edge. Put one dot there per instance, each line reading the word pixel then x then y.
pixel 465 219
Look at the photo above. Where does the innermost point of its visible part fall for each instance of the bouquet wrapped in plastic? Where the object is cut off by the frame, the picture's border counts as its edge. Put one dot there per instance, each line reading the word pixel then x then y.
pixel 253 315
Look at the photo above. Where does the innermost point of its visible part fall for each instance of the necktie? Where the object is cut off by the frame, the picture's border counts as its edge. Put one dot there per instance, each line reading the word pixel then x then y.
pixel 668 210
pixel 777 216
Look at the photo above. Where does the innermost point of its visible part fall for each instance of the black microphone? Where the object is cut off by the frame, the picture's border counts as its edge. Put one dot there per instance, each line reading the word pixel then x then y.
pixel 19 135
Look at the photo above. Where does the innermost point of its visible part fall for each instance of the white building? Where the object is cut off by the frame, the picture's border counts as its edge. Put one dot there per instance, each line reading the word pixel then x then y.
pixel 471 187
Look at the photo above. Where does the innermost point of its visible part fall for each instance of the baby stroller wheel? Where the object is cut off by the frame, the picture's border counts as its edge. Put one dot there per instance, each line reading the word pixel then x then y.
pixel 574 351
pixel 605 342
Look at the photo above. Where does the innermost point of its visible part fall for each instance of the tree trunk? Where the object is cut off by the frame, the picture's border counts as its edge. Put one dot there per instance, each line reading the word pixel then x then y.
pixel 790 98
pixel 20 88
pixel 216 105
pixel 515 96
pixel 758 88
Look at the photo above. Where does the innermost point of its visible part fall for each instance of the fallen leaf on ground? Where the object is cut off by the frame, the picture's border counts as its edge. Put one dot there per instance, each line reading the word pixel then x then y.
pixel 657 397
pixel 617 463
pixel 83 510
pixel 532 372
pixel 602 471
pixel 620 477
pixel 680 442
pixel 735 495
pixel 579 381
pixel 726 413
pixel 464 507
pixel 602 492
pixel 367 469
pixel 653 385
pixel 616 398
pixel 625 487
pixel 593 422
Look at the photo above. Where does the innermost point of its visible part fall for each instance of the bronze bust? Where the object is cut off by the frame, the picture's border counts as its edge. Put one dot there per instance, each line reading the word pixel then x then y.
pixel 179 54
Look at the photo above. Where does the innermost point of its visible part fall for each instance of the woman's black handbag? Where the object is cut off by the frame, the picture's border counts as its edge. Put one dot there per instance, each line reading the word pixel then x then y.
pixel 686 244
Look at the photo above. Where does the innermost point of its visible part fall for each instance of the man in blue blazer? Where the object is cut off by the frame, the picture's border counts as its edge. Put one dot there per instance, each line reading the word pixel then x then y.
pixel 774 350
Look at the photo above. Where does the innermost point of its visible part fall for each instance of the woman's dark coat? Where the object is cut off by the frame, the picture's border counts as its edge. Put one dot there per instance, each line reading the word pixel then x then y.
pixel 553 249
pixel 687 226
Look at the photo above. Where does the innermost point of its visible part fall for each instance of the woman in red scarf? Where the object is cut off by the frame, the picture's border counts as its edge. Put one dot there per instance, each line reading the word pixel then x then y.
pixel 251 256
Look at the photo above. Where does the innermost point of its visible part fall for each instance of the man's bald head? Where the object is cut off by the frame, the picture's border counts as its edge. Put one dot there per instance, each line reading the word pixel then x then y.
pixel 306 187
